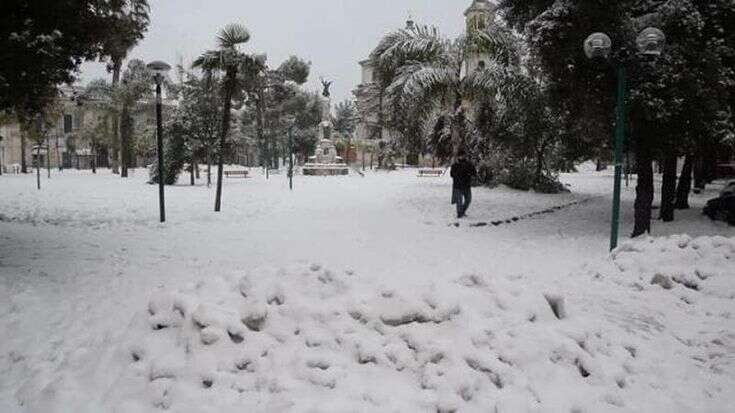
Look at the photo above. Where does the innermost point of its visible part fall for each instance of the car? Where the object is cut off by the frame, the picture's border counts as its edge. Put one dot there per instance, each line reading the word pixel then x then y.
pixel 723 207
pixel 729 189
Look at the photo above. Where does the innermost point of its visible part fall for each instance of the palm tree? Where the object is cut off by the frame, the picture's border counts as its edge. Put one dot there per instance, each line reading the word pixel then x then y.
pixel 124 32
pixel 228 59
pixel 428 78
pixel 121 102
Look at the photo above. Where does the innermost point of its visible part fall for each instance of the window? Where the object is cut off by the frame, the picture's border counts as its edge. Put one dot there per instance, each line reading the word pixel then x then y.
pixel 67 123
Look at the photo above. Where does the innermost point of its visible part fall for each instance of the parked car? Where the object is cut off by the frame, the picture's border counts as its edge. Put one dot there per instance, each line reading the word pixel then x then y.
pixel 723 207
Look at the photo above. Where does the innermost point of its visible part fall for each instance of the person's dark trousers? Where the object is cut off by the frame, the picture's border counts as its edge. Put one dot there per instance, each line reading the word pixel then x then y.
pixel 463 198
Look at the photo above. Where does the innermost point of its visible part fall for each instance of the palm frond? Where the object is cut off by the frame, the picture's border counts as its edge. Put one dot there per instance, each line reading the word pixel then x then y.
pixel 422 43
pixel 497 41
pixel 423 81
pixel 485 82
pixel 210 60
pixel 233 35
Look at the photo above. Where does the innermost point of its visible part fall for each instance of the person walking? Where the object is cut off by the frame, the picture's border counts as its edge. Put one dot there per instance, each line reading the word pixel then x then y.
pixel 463 171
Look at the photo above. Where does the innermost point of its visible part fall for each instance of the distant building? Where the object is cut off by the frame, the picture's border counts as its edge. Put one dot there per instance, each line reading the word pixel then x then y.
pixel 64 146
pixel 478 16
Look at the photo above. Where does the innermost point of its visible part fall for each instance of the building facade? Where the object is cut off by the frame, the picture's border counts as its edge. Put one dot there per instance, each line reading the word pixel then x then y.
pixel 64 145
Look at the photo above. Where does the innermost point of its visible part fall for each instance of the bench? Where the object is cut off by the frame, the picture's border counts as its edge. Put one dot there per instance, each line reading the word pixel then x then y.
pixel 430 173
pixel 233 174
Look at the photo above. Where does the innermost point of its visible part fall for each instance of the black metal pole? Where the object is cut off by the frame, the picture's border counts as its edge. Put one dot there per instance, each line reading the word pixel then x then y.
pixel 159 122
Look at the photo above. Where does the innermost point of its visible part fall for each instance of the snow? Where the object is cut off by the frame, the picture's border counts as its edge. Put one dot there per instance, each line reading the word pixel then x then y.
pixel 356 294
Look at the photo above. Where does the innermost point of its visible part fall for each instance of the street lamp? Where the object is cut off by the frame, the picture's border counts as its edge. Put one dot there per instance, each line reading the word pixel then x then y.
pixel 598 46
pixel 651 42
pixel 159 69
pixel 290 121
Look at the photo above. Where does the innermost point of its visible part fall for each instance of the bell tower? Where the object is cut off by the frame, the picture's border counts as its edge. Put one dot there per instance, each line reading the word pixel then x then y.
pixel 479 16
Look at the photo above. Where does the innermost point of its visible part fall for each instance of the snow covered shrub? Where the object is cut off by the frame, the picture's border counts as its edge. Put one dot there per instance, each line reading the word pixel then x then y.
pixel 175 155
pixel 519 176
pixel 522 176
pixel 549 185
pixel 486 173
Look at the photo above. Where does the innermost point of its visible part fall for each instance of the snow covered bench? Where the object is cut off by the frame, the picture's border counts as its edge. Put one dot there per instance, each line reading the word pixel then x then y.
pixel 233 174
pixel 430 173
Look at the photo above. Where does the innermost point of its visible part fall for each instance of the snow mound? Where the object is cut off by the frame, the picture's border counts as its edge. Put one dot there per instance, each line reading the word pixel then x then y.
pixel 307 338
pixel 705 265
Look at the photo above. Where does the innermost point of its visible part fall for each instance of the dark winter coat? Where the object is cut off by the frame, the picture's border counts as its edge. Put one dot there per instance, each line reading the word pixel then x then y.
pixel 462 174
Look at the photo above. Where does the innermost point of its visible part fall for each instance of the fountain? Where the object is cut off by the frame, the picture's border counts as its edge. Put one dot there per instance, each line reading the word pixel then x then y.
pixel 325 161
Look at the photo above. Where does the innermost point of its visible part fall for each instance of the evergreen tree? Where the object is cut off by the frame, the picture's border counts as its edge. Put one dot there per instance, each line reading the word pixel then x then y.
pixel 671 99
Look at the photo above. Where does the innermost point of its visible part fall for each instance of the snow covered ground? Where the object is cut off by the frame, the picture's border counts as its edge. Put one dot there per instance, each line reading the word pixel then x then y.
pixel 356 294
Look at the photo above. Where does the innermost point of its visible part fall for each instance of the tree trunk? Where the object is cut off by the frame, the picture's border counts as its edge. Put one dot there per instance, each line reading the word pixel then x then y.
pixel 125 141
pixel 349 144
pixel 710 165
pixel 193 166
pixel 38 166
pixel 23 163
pixel 209 167
pixel 229 89
pixel 539 165
pixel 58 155
pixel 48 157
pixel 644 191
pixel 698 169
pixel 381 119
pixel 685 184
pixel 260 128
pixel 115 144
pixel 668 189
pixel 457 138
pixel 94 159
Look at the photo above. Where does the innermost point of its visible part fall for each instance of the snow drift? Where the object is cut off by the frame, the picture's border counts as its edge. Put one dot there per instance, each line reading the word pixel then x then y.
pixel 650 329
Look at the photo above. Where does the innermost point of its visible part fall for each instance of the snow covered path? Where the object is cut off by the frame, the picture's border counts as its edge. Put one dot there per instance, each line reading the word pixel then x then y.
pixel 80 260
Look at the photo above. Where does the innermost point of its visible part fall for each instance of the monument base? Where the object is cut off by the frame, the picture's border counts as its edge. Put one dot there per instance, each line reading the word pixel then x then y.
pixel 315 169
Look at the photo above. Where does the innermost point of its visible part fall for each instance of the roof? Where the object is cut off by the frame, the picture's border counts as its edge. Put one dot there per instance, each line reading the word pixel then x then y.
pixel 481 6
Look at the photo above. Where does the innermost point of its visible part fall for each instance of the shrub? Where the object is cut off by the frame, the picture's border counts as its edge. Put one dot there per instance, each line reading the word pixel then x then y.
pixel 519 176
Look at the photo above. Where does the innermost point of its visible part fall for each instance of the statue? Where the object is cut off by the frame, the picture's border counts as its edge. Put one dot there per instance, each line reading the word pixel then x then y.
pixel 326 86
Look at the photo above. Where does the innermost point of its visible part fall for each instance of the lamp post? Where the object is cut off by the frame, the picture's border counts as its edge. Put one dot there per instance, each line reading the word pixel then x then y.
pixel 598 47
pixel 159 69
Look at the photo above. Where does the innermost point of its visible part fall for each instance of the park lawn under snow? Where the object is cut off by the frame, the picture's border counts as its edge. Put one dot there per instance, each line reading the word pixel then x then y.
pixel 356 294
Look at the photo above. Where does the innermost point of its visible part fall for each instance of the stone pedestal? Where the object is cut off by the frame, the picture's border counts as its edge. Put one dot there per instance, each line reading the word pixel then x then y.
pixel 325 161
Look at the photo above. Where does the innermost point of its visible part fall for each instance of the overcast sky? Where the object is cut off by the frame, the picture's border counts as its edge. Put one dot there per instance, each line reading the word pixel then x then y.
pixel 333 34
